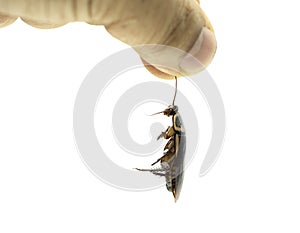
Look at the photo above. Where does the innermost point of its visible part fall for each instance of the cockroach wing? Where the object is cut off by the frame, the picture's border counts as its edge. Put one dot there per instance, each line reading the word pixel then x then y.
pixel 178 162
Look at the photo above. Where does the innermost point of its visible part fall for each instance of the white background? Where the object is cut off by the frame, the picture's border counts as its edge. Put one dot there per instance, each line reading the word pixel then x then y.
pixel 254 187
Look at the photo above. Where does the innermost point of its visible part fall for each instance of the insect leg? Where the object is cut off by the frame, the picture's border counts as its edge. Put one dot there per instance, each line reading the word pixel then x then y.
pixel 166 157
pixel 152 169
pixel 170 144
pixel 167 134
pixel 156 171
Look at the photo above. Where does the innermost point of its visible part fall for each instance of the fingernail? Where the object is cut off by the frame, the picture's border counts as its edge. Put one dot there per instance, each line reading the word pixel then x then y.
pixel 201 53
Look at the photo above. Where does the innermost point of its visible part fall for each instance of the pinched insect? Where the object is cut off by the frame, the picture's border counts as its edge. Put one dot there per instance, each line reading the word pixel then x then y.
pixel 172 161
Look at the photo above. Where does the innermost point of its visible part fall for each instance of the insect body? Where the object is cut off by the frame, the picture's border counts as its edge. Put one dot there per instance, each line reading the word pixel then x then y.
pixel 172 161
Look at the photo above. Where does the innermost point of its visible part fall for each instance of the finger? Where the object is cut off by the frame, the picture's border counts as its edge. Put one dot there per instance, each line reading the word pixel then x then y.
pixel 173 23
pixel 6 20
pixel 42 25
pixel 48 12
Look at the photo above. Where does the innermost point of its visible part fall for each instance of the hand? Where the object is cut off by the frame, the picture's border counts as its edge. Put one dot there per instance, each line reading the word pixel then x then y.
pixel 177 23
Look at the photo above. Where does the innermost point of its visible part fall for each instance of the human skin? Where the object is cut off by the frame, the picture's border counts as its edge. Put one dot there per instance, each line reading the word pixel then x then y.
pixel 178 23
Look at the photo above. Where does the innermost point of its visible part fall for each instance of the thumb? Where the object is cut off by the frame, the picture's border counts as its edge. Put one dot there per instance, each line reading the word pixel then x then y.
pixel 176 23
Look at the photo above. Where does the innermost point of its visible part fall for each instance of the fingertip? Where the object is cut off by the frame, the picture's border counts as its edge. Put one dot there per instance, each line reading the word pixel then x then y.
pixel 153 70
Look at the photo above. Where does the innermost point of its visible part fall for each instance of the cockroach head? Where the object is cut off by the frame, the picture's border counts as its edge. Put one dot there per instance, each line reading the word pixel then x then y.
pixel 171 110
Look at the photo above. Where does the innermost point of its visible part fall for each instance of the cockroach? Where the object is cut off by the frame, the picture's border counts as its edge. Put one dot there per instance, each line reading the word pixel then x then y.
pixel 172 161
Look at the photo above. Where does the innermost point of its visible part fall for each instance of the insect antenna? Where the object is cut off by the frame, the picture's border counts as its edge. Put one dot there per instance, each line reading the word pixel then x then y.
pixel 172 101
pixel 156 113
pixel 175 90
